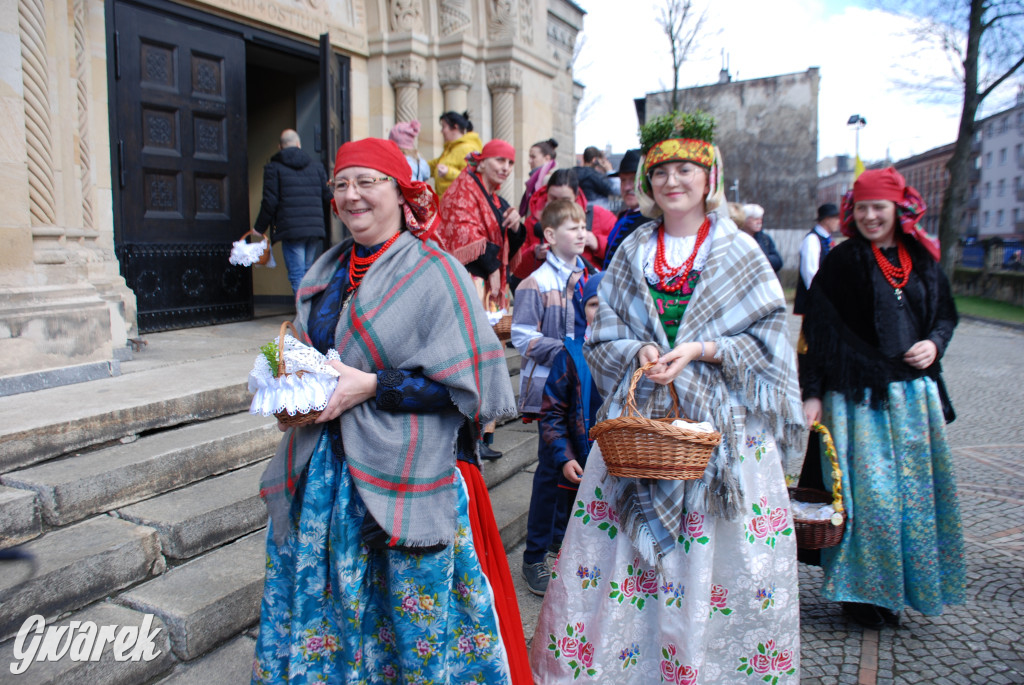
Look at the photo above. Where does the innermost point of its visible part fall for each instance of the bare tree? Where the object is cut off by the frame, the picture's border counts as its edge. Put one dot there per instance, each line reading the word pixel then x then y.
pixel 984 41
pixel 682 23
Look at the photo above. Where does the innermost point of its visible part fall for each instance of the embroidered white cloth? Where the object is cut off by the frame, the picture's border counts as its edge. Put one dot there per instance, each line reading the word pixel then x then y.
pixel 291 392
pixel 494 317
pixel 244 253
pixel 702 427
pixel 812 511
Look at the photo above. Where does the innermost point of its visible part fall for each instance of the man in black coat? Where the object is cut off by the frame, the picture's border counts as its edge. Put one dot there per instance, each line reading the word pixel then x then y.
pixel 295 195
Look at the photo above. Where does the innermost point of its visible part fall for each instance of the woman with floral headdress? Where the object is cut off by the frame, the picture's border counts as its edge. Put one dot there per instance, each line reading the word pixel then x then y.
pixel 685 581
pixel 880 314
pixel 382 561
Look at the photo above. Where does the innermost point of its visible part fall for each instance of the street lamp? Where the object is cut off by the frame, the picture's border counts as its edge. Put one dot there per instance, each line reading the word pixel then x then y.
pixel 857 122
pixel 735 188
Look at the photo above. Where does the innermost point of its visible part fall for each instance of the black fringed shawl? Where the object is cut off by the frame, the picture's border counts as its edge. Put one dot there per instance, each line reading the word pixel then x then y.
pixel 850 312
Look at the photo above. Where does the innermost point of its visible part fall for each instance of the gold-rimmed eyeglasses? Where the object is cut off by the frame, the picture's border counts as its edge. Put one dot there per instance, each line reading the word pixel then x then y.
pixel 360 183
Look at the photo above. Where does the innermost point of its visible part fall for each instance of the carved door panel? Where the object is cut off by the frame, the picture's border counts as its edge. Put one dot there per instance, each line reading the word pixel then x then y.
pixel 181 168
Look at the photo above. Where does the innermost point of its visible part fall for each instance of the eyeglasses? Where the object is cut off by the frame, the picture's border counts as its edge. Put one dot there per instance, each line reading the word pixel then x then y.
pixel 661 175
pixel 360 183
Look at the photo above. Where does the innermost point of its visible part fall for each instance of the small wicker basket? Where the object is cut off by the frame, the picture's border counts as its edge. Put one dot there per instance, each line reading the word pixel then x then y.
pixel 814 534
pixel 502 329
pixel 265 257
pixel 286 419
pixel 638 447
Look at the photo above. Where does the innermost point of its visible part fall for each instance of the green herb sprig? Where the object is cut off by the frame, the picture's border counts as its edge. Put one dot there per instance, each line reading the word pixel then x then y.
pixel 270 353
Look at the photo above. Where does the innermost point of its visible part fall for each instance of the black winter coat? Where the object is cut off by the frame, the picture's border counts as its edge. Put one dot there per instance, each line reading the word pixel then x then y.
pixel 295 197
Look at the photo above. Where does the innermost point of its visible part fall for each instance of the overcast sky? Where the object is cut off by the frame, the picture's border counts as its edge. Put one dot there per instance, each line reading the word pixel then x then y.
pixel 858 50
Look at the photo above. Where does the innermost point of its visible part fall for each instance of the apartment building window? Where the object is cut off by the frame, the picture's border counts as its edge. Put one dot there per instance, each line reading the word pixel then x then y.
pixel 988 160
pixel 1002 157
pixel 1016 184
pixel 999 218
pixel 988 189
pixel 984 219
pixel 1000 189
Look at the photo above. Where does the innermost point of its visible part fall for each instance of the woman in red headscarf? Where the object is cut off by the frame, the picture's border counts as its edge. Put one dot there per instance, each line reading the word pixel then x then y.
pixel 381 558
pixel 879 316
pixel 481 230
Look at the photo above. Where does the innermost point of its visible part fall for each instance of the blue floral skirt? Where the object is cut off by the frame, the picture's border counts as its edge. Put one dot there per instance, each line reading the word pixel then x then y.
pixel 335 611
pixel 903 544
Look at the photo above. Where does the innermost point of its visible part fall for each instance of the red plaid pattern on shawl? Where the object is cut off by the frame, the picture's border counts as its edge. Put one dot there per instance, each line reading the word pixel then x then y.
pixel 416 309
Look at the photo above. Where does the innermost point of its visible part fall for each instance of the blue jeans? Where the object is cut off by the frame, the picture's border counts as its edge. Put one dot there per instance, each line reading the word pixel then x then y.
pixel 299 255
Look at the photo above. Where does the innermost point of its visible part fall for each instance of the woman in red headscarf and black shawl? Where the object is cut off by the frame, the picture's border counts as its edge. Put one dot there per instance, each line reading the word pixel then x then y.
pixel 383 559
pixel 481 230
pixel 880 315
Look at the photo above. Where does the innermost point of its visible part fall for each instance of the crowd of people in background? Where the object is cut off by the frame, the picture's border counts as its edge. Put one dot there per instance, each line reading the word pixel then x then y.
pixel 382 545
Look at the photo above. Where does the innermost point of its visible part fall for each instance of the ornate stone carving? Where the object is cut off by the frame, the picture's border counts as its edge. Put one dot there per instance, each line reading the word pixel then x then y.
pixel 501 17
pixel 406 15
pixel 504 77
pixel 456 73
pixel 526 21
pixel 406 75
pixel 406 70
pixel 38 134
pixel 454 17
pixel 82 98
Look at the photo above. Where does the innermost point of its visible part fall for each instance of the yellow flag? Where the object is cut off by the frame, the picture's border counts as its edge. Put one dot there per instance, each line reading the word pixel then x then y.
pixel 858 167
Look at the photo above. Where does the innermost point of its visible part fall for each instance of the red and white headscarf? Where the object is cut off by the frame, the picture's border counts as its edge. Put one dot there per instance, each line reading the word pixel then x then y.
pixel 421 203
pixel 889 184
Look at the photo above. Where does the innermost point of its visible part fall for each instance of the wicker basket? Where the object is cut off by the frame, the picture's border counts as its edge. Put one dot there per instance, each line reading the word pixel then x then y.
pixel 265 257
pixel 502 329
pixel 821 534
pixel 638 447
pixel 284 417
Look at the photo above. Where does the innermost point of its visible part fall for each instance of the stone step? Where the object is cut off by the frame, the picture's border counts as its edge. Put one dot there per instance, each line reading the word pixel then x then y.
pixel 518 448
pixel 204 515
pixel 230 664
pixel 106 670
pixel 511 504
pixel 47 423
pixel 75 566
pixel 208 600
pixel 19 517
pixel 74 487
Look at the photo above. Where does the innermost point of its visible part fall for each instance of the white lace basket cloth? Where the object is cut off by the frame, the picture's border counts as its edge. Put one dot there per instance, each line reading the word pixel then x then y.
pixel 304 385
pixel 244 253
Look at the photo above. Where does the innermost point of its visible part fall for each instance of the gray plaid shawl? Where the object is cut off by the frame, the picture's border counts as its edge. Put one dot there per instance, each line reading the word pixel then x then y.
pixel 738 304
pixel 416 309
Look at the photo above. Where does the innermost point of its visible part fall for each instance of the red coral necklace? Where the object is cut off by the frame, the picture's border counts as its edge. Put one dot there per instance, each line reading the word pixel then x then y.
pixel 896 276
pixel 664 272
pixel 358 266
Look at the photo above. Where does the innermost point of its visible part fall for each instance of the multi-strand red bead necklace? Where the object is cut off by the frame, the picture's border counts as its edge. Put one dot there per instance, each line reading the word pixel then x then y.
pixel 896 276
pixel 664 272
pixel 358 266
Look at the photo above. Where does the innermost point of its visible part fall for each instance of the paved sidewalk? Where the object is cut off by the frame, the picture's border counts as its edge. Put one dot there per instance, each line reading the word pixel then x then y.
pixel 979 642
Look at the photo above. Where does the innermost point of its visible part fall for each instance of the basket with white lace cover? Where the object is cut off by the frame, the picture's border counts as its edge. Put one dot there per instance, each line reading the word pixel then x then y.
pixel 244 253
pixel 297 387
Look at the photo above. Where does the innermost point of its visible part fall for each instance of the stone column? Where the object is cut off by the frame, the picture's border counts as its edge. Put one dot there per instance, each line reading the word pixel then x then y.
pixel 504 81
pixel 455 77
pixel 406 77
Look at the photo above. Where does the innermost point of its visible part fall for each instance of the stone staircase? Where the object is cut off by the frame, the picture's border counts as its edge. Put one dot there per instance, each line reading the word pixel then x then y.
pixel 138 495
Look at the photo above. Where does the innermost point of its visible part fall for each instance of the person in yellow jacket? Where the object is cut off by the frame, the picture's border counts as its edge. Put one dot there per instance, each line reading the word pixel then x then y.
pixel 459 141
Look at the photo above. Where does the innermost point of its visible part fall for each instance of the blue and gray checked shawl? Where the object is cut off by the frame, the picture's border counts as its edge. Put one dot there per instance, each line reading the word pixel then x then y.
pixel 416 309
pixel 738 304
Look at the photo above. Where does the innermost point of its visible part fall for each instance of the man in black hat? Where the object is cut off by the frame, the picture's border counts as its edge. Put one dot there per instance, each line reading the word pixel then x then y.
pixel 630 217
pixel 813 249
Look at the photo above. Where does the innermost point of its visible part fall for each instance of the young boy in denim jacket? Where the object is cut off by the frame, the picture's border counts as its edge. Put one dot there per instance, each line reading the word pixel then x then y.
pixel 542 319
pixel 568 412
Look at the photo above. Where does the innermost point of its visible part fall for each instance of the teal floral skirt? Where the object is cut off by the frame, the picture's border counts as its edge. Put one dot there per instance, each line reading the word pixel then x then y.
pixel 903 544
pixel 335 611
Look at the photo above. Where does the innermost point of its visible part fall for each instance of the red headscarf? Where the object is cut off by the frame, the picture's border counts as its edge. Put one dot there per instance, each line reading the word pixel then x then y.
pixel 421 203
pixel 495 148
pixel 889 184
